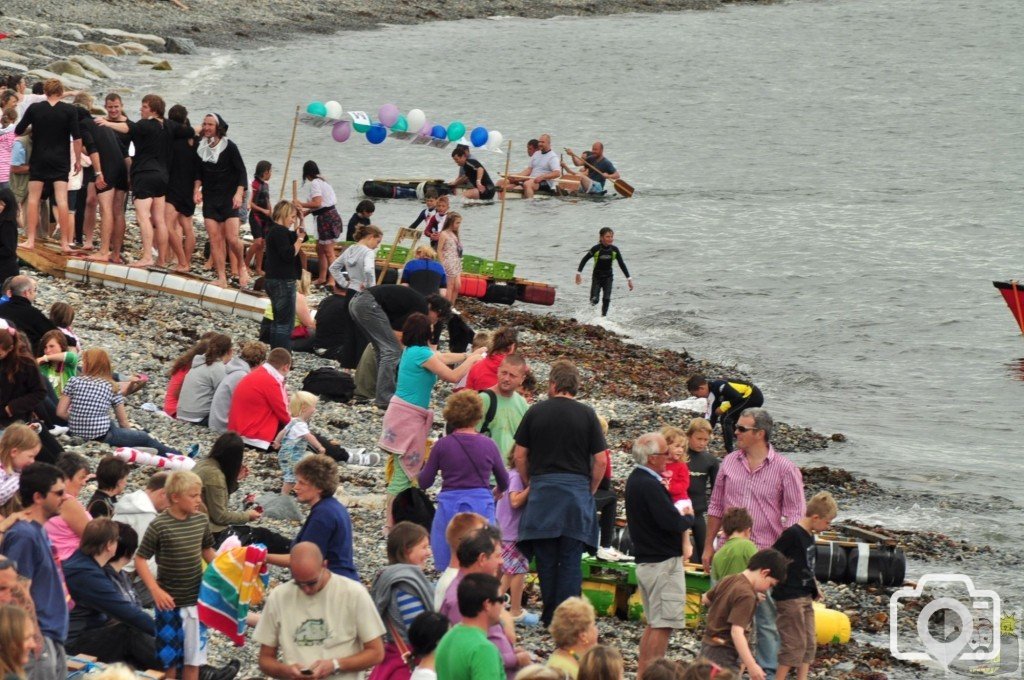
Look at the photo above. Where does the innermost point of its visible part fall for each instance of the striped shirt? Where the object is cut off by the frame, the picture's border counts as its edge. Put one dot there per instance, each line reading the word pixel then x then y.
pixel 7 138
pixel 773 494
pixel 91 401
pixel 409 606
pixel 178 546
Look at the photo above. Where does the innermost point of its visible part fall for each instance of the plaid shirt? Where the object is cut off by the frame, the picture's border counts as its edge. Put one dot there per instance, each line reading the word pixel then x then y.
pixel 773 494
pixel 91 401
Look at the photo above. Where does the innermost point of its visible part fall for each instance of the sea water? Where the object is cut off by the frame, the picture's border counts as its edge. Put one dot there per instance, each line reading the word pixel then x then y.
pixel 825 191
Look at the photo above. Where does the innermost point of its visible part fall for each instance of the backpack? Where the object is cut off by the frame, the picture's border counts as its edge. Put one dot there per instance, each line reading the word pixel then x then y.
pixel 413 505
pixel 329 383
pixel 492 410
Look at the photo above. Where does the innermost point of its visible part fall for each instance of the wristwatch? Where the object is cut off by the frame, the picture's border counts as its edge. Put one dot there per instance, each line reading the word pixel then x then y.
pixel 337 666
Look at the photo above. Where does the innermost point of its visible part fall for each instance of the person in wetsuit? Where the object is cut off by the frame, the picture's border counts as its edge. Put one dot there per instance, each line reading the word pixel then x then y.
pixel 53 123
pixel 703 467
pixel 220 187
pixel 153 138
pixel 726 401
pixel 603 254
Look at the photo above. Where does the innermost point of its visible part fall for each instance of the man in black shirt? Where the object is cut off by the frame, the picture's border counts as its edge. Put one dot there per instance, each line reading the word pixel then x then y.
pixel 22 314
pixel 656 529
pixel 559 454
pixel 593 176
pixel 473 175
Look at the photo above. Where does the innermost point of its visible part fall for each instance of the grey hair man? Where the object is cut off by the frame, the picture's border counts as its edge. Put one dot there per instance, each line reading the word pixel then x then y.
pixel 656 529
pixel 21 312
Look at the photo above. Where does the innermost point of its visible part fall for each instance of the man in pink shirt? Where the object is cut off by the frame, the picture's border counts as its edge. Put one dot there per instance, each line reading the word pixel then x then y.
pixel 259 405
pixel 771 488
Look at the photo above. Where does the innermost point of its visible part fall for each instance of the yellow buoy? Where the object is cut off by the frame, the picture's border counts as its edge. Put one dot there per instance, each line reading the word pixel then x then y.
pixel 831 626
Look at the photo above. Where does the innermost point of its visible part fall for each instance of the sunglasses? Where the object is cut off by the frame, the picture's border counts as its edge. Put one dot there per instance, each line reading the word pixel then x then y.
pixel 659 453
pixel 8 563
pixel 740 428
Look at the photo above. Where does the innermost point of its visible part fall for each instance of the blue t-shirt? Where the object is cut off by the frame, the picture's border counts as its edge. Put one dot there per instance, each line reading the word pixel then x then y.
pixel 330 527
pixel 27 544
pixel 424 276
pixel 415 383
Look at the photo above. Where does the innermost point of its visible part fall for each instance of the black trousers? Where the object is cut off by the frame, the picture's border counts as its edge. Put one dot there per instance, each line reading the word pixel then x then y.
pixel 605 503
pixel 117 642
pixel 601 287
pixel 699 534
pixel 275 542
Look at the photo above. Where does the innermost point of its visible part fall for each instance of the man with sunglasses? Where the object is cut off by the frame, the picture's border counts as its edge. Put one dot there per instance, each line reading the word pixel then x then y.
pixel 464 652
pixel 323 625
pixel 656 529
pixel 41 490
pixel 771 489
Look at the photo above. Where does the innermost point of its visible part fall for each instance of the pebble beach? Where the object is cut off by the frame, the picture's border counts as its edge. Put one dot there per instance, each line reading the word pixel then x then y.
pixel 93 45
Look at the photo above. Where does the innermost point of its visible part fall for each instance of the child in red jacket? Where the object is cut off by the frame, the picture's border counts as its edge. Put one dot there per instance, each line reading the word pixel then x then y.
pixel 677 477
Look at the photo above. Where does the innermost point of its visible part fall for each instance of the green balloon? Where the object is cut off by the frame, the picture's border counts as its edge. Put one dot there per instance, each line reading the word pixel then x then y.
pixel 360 127
pixel 401 125
pixel 455 131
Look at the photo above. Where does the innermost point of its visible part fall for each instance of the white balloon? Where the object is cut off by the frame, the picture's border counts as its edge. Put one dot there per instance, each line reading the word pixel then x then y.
pixel 494 140
pixel 416 118
pixel 334 110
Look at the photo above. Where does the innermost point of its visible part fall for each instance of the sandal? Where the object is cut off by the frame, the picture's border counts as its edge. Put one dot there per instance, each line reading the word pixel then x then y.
pixel 136 384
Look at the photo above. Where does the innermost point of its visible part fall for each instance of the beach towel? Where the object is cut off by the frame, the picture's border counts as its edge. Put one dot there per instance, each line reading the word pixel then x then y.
pixel 171 461
pixel 404 432
pixel 233 583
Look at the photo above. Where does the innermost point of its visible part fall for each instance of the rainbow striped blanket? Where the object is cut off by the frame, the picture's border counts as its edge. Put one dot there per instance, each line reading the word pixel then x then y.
pixel 235 581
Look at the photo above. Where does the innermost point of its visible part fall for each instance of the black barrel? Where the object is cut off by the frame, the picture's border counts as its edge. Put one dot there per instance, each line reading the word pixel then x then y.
pixel 831 563
pixel 876 565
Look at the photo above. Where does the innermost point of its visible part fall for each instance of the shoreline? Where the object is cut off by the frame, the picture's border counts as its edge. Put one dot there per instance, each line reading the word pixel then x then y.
pixel 206 24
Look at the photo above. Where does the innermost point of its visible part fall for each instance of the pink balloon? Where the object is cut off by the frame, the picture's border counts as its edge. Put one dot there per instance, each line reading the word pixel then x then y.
pixel 341 130
pixel 426 129
pixel 387 115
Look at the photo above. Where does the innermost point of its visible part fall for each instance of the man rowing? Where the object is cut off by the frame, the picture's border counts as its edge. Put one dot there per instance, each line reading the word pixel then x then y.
pixel 592 179
pixel 543 172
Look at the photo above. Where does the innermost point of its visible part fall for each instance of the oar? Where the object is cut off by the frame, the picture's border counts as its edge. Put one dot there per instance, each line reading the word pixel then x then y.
pixel 621 186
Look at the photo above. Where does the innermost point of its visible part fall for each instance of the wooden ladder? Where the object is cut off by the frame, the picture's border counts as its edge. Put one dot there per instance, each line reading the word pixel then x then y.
pixel 404 234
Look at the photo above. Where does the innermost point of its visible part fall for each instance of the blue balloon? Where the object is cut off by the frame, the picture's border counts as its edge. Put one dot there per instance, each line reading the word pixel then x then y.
pixel 439 132
pixel 479 136
pixel 376 134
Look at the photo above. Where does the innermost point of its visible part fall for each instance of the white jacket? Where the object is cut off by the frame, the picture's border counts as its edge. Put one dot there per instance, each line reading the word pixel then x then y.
pixel 136 510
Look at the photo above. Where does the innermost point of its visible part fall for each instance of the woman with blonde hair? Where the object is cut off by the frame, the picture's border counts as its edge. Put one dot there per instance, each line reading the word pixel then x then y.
pixel 574 630
pixel 88 400
pixel 17 640
pixel 283 267
pixel 424 274
pixel 449 247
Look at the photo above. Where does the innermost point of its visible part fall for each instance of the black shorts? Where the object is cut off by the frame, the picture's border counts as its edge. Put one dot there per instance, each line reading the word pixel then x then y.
pixel 118 179
pixel 256 227
pixel 487 194
pixel 148 185
pixel 219 213
pixel 182 203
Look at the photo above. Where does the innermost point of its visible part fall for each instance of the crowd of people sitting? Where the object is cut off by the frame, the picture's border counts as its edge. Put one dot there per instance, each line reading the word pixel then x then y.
pixel 525 483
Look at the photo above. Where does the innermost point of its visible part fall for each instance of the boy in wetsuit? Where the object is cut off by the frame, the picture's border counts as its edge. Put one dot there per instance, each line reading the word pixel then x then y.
pixel 726 401
pixel 603 254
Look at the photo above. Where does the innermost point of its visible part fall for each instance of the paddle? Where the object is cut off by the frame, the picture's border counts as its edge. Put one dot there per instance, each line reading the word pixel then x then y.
pixel 623 187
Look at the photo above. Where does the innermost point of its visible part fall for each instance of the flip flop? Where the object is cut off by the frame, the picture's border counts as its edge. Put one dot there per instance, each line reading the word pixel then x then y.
pixel 136 384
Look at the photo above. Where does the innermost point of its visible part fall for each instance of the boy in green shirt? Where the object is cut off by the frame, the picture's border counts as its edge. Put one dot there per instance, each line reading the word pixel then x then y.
pixel 464 652
pixel 732 558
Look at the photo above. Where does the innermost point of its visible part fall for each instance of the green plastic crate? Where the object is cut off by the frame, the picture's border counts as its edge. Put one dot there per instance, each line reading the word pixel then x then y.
pixel 401 254
pixel 471 264
pixel 500 271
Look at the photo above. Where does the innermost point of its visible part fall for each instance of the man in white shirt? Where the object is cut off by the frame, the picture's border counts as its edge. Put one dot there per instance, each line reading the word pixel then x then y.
pixel 321 625
pixel 543 172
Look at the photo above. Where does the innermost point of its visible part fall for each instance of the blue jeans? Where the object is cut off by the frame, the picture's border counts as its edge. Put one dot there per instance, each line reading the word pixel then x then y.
pixel 125 436
pixel 766 649
pixel 282 301
pixel 559 571
pixel 373 321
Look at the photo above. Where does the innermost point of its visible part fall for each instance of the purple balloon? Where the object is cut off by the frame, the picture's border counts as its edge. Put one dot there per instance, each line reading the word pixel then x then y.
pixel 341 130
pixel 426 129
pixel 388 114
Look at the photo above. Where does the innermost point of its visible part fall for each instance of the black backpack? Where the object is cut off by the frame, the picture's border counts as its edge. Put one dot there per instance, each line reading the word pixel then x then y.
pixel 413 505
pixel 492 410
pixel 329 383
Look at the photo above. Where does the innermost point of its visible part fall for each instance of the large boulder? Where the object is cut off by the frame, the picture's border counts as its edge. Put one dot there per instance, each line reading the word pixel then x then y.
pixel 180 46
pixel 144 38
pixel 12 56
pixel 69 68
pixel 133 48
pixel 162 66
pixel 99 48
pixel 149 60
pixel 93 65
pixel 69 81
pixel 12 67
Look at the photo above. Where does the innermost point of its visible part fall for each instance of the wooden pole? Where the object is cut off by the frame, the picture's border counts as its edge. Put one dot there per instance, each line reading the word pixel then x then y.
pixel 288 159
pixel 501 215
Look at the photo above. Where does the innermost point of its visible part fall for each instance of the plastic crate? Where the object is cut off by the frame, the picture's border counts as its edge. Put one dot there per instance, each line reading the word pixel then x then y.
pixel 498 270
pixel 471 264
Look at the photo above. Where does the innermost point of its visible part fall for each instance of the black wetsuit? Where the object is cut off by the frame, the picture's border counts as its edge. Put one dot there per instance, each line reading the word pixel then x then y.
pixel 151 165
pixel 220 182
pixel 52 126
pixel 471 168
pixel 105 142
pixel 703 471
pixel 601 283
pixel 124 141
pixel 182 176
pixel 739 395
